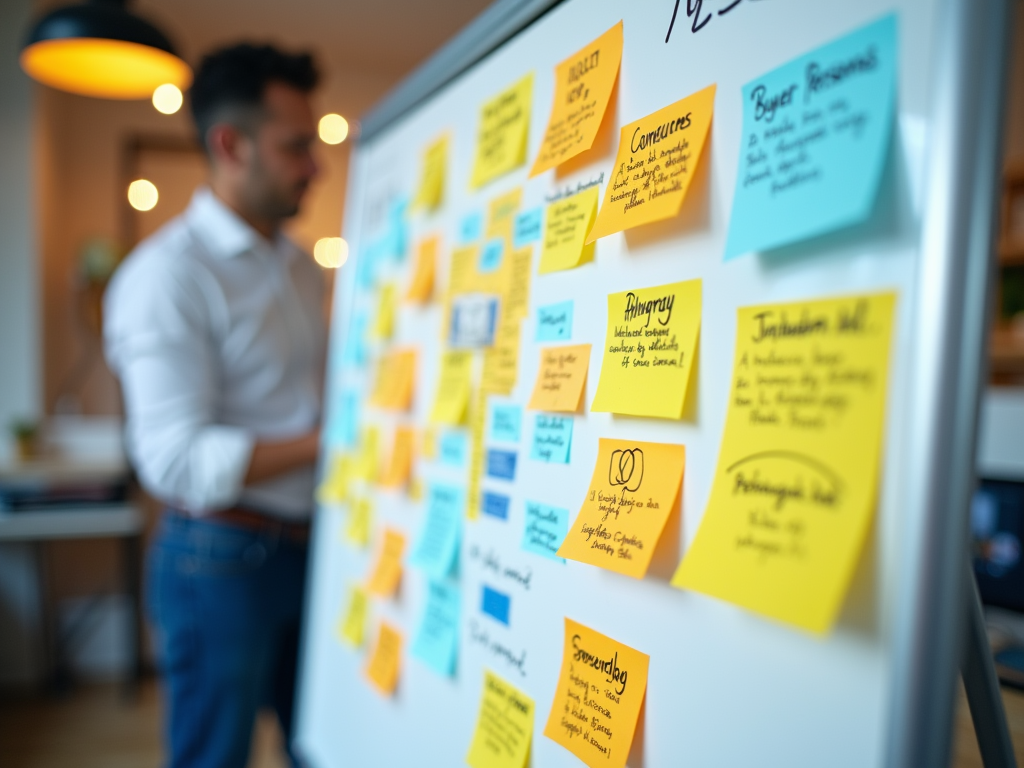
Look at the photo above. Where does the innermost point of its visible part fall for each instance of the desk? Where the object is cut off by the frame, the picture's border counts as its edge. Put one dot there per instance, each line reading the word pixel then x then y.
pixel 121 521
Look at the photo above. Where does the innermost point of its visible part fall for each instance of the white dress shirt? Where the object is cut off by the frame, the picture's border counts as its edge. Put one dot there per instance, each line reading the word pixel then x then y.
pixel 217 336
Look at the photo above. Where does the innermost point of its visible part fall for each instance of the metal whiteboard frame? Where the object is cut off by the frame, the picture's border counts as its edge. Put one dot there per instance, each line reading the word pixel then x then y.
pixel 953 284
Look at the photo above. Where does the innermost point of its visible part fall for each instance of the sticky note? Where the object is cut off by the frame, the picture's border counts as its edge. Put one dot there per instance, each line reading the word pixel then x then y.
pixel 545 529
pixel 495 604
pixel 399 467
pixel 504 726
pixel 433 167
pixel 395 379
pixel 527 227
pixel 473 320
pixel 561 378
pixel 454 383
pixel 516 295
pixel 336 485
pixel 370 257
pixel 501 361
pixel 656 160
pixel 552 438
pixel 384 324
pixel 554 322
pixel 477 425
pixel 649 347
pixel 502 132
pixel 599 669
pixel 437 547
pixel 360 522
pixel 421 286
pixel 396 238
pixel 437 639
pixel 471 227
pixel 341 429
pixel 796 485
pixel 491 254
pixel 501 213
pixel 495 505
pixel 506 422
pixel 583 86
pixel 816 135
pixel 365 466
pixel 501 464
pixel 385 659
pixel 632 492
pixel 428 443
pixel 355 346
pixel 352 624
pixel 387 571
pixel 565 229
pixel 453 449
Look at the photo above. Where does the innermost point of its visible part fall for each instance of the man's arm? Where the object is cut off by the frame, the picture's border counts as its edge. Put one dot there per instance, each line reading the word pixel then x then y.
pixel 270 459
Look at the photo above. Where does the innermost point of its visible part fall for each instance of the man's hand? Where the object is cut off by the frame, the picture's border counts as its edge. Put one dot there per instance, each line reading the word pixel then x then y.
pixel 270 459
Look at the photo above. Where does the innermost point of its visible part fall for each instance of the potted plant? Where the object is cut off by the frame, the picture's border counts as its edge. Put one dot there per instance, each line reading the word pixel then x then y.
pixel 25 434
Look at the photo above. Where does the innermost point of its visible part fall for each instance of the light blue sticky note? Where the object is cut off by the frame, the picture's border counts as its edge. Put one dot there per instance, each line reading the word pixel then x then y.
pixel 526 228
pixel 437 546
pixel 471 228
pixel 544 529
pixel 554 322
pixel 506 423
pixel 397 237
pixel 453 449
pixel 816 134
pixel 341 424
pixel 437 639
pixel 552 438
pixel 370 256
pixel 355 345
pixel 491 255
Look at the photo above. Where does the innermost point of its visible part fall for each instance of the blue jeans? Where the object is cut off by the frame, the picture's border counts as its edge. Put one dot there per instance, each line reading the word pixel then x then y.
pixel 226 605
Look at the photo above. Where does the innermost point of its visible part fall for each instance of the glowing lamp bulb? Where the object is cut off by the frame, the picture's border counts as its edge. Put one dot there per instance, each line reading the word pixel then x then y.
pixel 333 129
pixel 330 252
pixel 167 98
pixel 143 195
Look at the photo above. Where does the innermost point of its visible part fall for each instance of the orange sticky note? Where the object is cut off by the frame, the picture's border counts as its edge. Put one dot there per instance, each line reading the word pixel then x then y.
pixel 385 659
pixel 583 86
pixel 657 157
pixel 400 466
pixel 632 492
pixel 597 702
pixel 387 571
pixel 561 379
pixel 393 385
pixel 421 287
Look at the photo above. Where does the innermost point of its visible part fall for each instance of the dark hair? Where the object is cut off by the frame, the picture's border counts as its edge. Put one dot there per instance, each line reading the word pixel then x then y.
pixel 229 83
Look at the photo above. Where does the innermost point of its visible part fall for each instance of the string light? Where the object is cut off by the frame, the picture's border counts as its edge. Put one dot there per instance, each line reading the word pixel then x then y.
pixel 167 98
pixel 333 129
pixel 143 195
pixel 330 252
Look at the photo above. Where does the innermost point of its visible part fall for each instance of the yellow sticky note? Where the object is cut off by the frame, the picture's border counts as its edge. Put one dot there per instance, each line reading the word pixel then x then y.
pixel 504 726
pixel 649 349
pixel 657 157
pixel 393 385
pixel 477 425
pixel 796 485
pixel 387 570
pixel 632 492
pixel 365 465
pixel 501 213
pixel 454 384
pixel 561 379
pixel 360 522
pixel 384 325
pixel 428 443
pixel 501 361
pixel 597 701
pixel 352 624
pixel 400 465
pixel 430 193
pixel 421 287
pixel 516 287
pixel 385 659
pixel 503 132
pixel 336 485
pixel 566 226
pixel 583 85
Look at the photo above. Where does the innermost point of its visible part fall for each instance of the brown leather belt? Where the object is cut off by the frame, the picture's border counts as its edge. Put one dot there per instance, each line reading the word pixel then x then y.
pixel 256 521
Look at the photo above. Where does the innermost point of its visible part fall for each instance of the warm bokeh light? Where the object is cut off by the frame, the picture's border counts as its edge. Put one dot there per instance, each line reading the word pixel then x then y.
pixel 110 69
pixel 330 252
pixel 333 129
pixel 167 98
pixel 142 195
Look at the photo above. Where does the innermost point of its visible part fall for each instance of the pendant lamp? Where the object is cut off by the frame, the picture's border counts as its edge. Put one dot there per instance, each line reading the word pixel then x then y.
pixel 100 48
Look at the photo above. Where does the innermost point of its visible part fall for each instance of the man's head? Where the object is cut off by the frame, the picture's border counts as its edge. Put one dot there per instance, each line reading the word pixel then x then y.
pixel 251 109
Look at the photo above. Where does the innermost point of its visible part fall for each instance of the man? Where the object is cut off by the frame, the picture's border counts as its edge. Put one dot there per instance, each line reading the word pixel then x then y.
pixel 214 328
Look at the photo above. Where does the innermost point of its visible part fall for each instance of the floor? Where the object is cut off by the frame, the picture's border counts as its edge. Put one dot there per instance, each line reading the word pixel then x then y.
pixel 95 728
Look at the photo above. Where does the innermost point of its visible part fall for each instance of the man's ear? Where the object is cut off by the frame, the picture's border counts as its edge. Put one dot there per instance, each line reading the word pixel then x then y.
pixel 225 144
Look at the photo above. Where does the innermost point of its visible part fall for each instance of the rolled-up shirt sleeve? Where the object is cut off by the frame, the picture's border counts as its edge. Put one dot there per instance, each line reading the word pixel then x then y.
pixel 159 340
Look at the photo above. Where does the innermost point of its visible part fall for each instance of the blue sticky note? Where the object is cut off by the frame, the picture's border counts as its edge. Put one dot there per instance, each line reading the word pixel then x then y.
pixel 437 639
pixel 355 346
pixel 816 134
pixel 397 237
pixel 496 604
pixel 453 449
pixel 495 505
pixel 437 547
pixel 544 529
pixel 471 228
pixel 552 437
pixel 491 255
pixel 341 429
pixel 506 423
pixel 554 322
pixel 526 228
pixel 501 464
pixel 370 257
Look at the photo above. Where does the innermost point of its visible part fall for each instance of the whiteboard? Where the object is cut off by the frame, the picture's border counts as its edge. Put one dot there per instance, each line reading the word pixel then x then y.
pixel 726 688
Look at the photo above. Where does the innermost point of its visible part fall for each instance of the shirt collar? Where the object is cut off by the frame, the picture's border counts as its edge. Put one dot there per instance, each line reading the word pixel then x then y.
pixel 223 232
